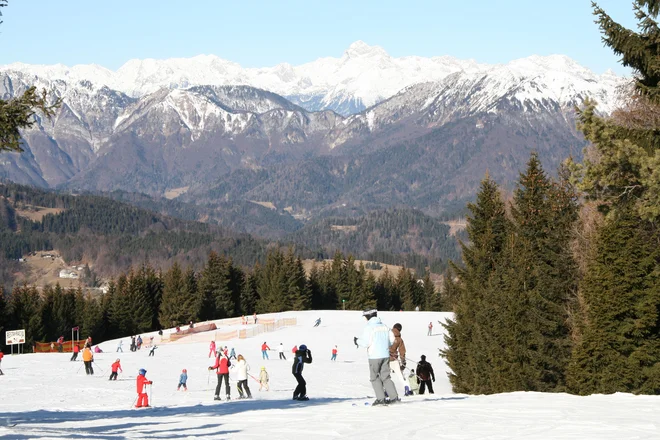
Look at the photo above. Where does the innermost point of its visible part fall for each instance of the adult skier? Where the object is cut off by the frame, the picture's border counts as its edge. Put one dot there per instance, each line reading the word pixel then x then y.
pixel 133 344
pixel 143 399
pixel 317 323
pixel 398 359
pixel 76 350
pixel 264 350
pixel 280 350
pixel 88 358
pixel 119 345
pixel 221 366
pixel 303 356
pixel 116 366
pixel 376 339
pixel 430 329
pixel 425 374
pixel 152 352
pixel 334 354
pixel 242 369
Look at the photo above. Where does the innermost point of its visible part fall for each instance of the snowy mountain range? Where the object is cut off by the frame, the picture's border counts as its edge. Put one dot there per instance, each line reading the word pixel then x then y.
pixel 342 128
pixel 362 77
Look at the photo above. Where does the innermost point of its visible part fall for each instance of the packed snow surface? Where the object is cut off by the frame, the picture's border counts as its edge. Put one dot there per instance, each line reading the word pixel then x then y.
pixel 45 396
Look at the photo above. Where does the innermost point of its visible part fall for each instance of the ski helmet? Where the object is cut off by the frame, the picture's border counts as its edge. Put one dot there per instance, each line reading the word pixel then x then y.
pixel 370 313
pixel 303 347
pixel 142 371
pixel 263 368
pixel 185 371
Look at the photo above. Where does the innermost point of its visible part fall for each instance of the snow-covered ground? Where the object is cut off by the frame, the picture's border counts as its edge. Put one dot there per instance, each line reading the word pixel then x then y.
pixel 48 397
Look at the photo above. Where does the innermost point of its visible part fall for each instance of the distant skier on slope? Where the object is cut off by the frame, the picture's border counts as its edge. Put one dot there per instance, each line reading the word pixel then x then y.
pixel 183 378
pixel 317 323
pixel 153 350
pixel 303 356
pixel 334 354
pixel 212 349
pixel 376 339
pixel 232 354
pixel 280 350
pixel 264 350
pixel 88 358
pixel 116 366
pixel 76 350
pixel 143 399
pixel 221 366
pixel 119 345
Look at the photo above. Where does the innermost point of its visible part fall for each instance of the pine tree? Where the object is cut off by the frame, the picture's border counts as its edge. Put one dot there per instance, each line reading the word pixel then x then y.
pixel 470 338
pixel 178 304
pixel 619 348
pixel 214 286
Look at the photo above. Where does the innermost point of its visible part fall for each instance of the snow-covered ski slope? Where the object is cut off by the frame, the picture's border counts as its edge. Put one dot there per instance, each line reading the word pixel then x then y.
pixel 47 397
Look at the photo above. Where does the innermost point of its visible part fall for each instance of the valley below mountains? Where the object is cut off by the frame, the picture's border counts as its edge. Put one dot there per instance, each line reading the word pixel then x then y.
pixel 338 137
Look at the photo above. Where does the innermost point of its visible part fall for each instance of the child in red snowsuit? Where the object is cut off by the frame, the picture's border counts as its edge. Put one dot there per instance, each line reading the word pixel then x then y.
pixel 143 399
pixel 116 366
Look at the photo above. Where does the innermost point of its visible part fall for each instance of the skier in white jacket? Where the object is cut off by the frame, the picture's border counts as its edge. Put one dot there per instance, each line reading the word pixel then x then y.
pixel 280 350
pixel 242 369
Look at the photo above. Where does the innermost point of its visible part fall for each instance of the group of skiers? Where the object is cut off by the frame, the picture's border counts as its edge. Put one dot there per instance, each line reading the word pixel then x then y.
pixel 387 354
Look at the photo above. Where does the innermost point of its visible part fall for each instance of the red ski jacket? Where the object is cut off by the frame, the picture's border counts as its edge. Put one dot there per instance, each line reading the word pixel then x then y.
pixel 76 349
pixel 1 355
pixel 141 382
pixel 265 347
pixel 222 365
pixel 116 366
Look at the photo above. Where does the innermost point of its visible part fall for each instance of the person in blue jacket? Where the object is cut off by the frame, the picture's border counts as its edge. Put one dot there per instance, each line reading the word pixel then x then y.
pixel 377 339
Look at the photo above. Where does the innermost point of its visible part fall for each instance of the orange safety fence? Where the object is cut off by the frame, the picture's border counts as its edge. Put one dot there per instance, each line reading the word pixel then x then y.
pixel 54 347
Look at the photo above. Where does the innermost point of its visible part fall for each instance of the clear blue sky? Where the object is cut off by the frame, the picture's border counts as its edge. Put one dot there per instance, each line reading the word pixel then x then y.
pixel 265 33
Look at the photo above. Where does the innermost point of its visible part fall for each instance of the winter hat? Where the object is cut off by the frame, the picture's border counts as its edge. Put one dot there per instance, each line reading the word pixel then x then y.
pixel 263 368
pixel 423 357
pixel 184 371
pixel 370 313
pixel 302 348
pixel 142 372
pixel 397 326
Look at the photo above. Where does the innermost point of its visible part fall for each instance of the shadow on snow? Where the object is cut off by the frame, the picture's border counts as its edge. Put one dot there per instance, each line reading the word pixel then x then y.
pixel 43 423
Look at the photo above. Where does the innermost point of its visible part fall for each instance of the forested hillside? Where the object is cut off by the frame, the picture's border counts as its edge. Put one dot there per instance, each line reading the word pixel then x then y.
pixel 395 236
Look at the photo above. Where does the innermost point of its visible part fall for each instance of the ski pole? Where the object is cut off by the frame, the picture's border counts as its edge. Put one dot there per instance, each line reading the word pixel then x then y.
pixel 255 379
pixel 134 401
pixel 97 366
pixel 208 378
pixel 150 396
pixel 83 364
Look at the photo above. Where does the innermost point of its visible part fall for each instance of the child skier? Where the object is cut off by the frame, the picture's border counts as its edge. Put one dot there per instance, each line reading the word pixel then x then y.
pixel 182 380
pixel 115 367
pixel 232 354
pixel 76 350
pixel 263 379
pixel 153 350
pixel 334 354
pixel 243 367
pixel 143 399
pixel 413 382
pixel 212 349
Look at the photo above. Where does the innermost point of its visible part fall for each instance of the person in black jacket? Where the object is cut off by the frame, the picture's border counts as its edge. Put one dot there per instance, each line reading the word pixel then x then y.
pixel 424 375
pixel 303 356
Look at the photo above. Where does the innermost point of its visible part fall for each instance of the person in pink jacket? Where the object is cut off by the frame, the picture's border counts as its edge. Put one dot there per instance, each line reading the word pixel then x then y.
pixel 212 349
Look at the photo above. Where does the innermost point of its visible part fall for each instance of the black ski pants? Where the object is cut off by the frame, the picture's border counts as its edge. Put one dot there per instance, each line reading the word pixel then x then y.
pixel 425 383
pixel 244 384
pixel 219 386
pixel 74 356
pixel 113 376
pixel 282 355
pixel 301 389
pixel 88 367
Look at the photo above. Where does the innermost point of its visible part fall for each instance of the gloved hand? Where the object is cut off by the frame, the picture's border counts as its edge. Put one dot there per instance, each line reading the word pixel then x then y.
pixel 434 379
pixel 403 365
pixel 210 368
pixel 355 341
pixel 309 352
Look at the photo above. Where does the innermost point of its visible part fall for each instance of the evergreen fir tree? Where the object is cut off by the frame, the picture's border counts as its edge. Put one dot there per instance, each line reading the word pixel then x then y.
pixel 178 304
pixel 469 336
pixel 214 288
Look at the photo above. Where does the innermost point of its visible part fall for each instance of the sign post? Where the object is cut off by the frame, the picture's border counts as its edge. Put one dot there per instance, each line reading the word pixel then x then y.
pixel 15 337
pixel 77 330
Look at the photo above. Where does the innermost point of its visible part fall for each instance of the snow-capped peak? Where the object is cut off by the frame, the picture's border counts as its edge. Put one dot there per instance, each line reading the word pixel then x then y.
pixel 361 49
